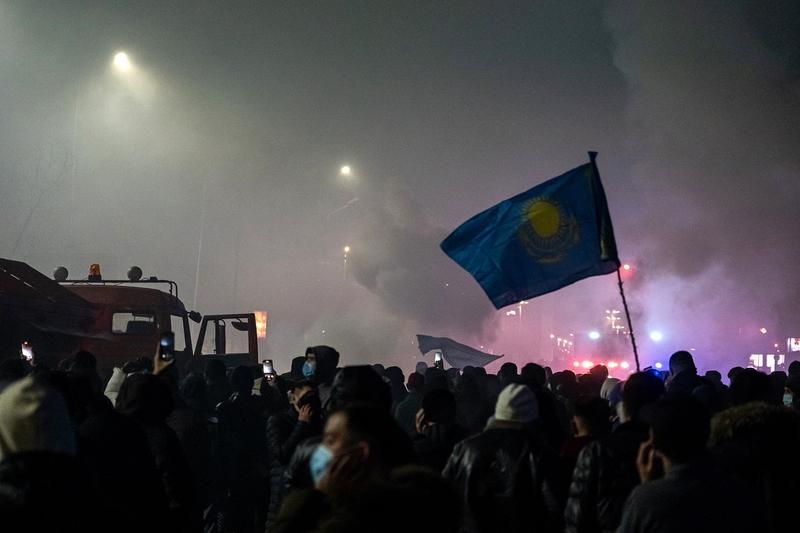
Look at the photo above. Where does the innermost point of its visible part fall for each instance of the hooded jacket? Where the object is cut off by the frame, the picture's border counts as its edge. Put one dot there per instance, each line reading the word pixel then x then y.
pixel 34 417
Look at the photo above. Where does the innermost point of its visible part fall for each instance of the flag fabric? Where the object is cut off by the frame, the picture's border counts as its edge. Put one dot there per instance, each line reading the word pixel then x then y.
pixel 456 354
pixel 539 241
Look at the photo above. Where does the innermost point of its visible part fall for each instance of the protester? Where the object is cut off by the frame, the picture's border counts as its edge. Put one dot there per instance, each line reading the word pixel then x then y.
pixel 42 483
pixel 285 431
pixel 320 367
pixel 437 429
pixel 242 451
pixel 683 378
pixel 605 472
pixel 406 411
pixel 680 489
pixel 505 475
pixel 353 385
pixel 146 398
pixel 591 420
pixel 351 470
pixel 210 453
pixel 397 383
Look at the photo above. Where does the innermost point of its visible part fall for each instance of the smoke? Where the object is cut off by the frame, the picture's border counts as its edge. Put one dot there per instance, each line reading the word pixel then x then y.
pixel 713 143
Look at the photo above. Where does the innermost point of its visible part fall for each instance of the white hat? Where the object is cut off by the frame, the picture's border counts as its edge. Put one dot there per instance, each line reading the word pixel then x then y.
pixel 516 403
pixel 33 418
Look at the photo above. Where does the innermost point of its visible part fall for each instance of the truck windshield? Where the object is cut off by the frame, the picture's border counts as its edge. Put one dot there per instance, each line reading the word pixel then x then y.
pixel 133 323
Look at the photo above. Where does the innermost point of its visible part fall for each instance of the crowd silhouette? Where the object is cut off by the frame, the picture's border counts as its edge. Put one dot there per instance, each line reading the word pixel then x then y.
pixel 325 448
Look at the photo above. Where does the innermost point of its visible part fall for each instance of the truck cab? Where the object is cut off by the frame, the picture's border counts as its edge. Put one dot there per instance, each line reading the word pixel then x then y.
pixel 116 320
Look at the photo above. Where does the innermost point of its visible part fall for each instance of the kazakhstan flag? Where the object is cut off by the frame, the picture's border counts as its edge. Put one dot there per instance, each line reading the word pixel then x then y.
pixel 539 241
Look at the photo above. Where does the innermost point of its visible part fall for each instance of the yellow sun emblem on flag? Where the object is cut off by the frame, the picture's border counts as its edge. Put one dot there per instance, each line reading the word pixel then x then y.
pixel 547 231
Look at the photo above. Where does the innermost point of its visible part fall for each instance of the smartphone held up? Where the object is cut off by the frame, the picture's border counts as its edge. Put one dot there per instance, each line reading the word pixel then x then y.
pixel 26 351
pixel 269 370
pixel 166 346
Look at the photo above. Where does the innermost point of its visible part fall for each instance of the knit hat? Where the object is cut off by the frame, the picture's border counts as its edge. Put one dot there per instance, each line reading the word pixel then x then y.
pixel 34 417
pixel 516 403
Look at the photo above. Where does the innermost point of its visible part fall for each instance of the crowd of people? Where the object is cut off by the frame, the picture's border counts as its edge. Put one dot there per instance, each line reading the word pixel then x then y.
pixel 325 448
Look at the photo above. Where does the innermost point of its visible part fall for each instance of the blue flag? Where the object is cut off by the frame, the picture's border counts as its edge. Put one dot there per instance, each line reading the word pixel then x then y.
pixel 539 241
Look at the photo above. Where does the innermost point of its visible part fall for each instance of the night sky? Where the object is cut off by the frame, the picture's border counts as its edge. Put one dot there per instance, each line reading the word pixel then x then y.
pixel 235 119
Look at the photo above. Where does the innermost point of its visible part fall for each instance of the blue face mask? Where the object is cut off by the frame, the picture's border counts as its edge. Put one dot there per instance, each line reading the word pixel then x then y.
pixel 320 461
pixel 788 399
pixel 309 369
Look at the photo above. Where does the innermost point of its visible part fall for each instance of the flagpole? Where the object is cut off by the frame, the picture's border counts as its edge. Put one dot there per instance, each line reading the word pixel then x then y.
pixel 628 317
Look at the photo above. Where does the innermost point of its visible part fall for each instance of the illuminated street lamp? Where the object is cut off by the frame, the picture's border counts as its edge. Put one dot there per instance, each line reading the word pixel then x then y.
pixel 763 331
pixel 122 62
pixel 345 171
pixel 346 250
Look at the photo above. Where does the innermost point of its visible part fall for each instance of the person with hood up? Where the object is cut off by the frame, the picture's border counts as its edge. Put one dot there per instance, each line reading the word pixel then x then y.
pixel 41 482
pixel 320 367
pixel 147 399
pixel 507 477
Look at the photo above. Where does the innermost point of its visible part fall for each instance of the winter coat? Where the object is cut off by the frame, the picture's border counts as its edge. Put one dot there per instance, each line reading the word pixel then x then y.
pixel 434 446
pixel 284 434
pixel 604 476
pixel 508 480
pixel 405 413
pixel 115 450
pixel 49 491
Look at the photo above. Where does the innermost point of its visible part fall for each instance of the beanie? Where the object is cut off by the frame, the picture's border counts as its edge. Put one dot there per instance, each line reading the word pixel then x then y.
pixel 516 403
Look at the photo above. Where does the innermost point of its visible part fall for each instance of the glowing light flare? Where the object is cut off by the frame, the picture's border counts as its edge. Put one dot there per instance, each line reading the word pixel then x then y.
pixel 659 366
pixel 345 170
pixel 763 331
pixel 587 364
pixel 656 336
pixel 612 364
pixel 347 249
pixel 576 364
pixel 261 324
pixel 122 62
pixel 594 335
pixel 624 365
pixel 626 267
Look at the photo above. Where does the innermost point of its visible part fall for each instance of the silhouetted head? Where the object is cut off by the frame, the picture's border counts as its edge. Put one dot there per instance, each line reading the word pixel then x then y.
pixel 360 384
pixel 681 361
pixel 680 427
pixel 439 406
pixel 242 380
pixel 639 391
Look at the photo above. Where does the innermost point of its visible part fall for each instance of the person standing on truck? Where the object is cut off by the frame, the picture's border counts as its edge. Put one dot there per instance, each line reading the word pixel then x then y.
pixel 320 367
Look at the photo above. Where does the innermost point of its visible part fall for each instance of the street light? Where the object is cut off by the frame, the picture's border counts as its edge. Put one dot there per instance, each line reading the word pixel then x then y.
pixel 344 263
pixel 346 171
pixel 122 62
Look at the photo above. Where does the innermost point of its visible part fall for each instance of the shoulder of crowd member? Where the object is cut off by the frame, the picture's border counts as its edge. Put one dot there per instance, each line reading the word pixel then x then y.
pixel 297 473
pixel 579 509
pixel 302 510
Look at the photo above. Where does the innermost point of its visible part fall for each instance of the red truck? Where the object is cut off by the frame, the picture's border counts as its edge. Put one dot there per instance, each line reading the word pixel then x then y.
pixel 117 320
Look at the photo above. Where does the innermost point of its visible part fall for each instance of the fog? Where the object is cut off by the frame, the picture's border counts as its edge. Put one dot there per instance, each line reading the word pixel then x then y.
pixel 218 153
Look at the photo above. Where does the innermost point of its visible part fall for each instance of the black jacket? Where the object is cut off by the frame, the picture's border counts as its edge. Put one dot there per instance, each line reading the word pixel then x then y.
pixel 508 480
pixel 47 491
pixel 434 446
pixel 284 434
pixel 604 476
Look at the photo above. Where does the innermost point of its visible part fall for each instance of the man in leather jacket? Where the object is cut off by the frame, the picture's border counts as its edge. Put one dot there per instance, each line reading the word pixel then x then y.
pixel 606 470
pixel 507 477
